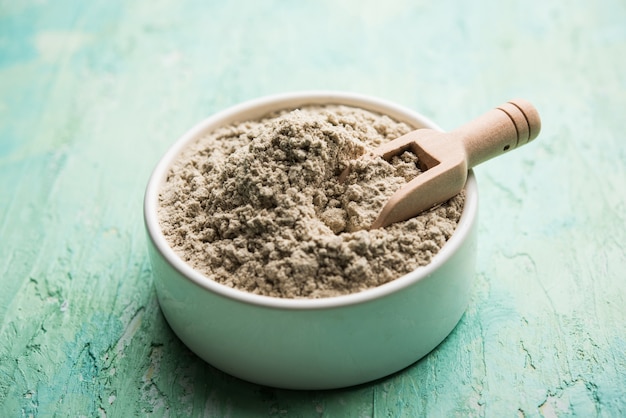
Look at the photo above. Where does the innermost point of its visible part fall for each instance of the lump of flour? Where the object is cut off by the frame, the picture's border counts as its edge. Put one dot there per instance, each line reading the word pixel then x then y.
pixel 258 206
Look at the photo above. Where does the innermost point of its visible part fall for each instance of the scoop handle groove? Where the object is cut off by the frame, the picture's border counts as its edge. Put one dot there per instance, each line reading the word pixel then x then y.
pixel 502 129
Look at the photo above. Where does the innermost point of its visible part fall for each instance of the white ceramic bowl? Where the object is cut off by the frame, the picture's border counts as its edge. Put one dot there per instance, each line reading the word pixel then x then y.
pixel 312 343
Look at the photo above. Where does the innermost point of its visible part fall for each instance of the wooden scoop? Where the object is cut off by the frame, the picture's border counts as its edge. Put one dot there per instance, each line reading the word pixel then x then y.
pixel 446 157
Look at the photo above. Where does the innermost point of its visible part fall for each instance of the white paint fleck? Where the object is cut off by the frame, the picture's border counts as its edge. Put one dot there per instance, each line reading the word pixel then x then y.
pixel 171 59
pixel 129 332
pixel 554 407
pixel 53 44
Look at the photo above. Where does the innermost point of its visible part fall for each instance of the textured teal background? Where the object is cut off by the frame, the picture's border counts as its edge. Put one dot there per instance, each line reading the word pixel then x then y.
pixel 92 93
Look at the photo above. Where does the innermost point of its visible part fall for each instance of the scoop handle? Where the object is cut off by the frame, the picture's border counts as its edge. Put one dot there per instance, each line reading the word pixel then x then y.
pixel 502 129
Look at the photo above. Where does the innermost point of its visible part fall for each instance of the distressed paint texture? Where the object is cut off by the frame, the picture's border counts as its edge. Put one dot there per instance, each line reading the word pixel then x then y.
pixel 92 93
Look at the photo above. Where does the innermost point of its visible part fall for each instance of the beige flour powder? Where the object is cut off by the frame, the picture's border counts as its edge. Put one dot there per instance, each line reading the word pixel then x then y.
pixel 258 206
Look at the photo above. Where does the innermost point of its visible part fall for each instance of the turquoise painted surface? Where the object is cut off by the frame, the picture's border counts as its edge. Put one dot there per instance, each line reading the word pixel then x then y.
pixel 92 93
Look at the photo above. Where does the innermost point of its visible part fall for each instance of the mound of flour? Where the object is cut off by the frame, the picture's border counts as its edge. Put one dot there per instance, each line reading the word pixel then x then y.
pixel 258 206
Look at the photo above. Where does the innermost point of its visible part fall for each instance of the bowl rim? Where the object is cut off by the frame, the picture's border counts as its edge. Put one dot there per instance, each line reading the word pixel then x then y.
pixel 159 173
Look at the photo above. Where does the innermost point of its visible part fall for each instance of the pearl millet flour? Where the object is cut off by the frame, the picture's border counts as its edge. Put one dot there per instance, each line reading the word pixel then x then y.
pixel 257 205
